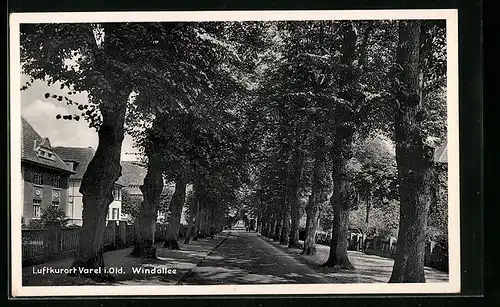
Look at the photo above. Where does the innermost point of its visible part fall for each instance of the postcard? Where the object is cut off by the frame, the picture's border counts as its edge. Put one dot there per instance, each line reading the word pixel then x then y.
pixel 234 152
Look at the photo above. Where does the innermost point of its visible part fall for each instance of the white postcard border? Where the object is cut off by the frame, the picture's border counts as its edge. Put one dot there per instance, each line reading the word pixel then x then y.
pixel 452 286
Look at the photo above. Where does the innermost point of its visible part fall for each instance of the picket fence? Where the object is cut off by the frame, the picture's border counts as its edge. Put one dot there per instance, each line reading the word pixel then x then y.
pixel 55 242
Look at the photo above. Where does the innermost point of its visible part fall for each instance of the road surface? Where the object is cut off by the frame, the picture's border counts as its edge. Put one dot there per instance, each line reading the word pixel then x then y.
pixel 245 258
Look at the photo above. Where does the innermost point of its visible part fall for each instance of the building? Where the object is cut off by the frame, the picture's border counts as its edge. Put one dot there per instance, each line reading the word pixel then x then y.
pixel 78 159
pixel 45 175
pixel 133 174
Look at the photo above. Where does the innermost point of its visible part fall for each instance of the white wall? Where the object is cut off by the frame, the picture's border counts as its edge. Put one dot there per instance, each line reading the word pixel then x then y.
pixel 74 206
pixel 75 203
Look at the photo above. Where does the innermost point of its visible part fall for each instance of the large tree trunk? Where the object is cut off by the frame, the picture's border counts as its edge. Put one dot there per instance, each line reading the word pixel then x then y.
pixel 278 228
pixel 192 213
pixel 146 221
pixel 316 197
pixel 338 247
pixel 285 228
pixel 295 207
pixel 414 159
pixel 193 207
pixel 208 221
pixel 197 221
pixel 197 203
pixel 202 219
pixel 285 212
pixel 341 150
pixel 174 221
pixel 97 186
pixel 341 199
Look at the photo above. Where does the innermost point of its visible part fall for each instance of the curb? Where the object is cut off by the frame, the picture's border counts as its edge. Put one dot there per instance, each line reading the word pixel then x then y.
pixel 183 278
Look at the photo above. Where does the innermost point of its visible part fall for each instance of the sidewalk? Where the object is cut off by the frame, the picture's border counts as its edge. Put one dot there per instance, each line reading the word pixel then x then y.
pixel 369 268
pixel 182 261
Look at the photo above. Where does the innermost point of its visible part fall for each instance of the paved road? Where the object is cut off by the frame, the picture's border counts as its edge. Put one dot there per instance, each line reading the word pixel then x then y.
pixel 245 258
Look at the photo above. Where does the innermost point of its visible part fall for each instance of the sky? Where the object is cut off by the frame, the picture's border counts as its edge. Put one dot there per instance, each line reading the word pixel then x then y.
pixel 41 114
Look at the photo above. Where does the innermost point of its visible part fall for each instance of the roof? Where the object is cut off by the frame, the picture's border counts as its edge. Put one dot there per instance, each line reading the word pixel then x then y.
pixel 29 139
pixel 133 173
pixel 81 156
pixel 441 153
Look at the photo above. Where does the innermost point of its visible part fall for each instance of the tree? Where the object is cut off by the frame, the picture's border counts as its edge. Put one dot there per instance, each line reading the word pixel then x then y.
pixel 376 179
pixel 318 195
pixel 341 150
pixel 112 63
pixel 108 61
pixel 414 155
pixel 151 190
pixel 130 205
pixel 176 206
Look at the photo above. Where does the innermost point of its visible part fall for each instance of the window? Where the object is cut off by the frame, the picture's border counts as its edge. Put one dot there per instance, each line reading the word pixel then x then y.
pixel 55 203
pixel 115 214
pixel 57 181
pixel 45 154
pixel 116 194
pixel 71 165
pixel 37 177
pixel 37 208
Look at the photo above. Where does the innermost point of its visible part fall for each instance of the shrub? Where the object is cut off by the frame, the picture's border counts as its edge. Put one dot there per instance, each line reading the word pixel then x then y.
pixel 50 215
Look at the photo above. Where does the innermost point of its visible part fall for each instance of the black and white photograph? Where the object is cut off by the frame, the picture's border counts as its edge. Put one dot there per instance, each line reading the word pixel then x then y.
pixel 201 153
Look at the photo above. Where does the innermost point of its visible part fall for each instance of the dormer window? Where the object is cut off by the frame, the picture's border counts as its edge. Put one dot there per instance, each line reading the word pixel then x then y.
pixel 44 153
pixel 43 149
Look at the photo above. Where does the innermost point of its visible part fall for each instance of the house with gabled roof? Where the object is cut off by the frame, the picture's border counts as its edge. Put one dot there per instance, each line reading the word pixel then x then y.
pixel 44 173
pixel 133 174
pixel 78 159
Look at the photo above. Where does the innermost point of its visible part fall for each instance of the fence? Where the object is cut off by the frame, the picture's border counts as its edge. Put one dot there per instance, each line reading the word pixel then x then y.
pixel 436 256
pixel 52 243
pixel 385 247
pixel 69 239
pixel 34 243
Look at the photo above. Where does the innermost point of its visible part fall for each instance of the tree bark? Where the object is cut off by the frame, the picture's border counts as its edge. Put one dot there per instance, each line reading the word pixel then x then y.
pixel 285 228
pixel 202 218
pixel 176 206
pixel 97 186
pixel 316 197
pixel 295 207
pixel 414 159
pixel 193 206
pixel 192 213
pixel 340 199
pixel 342 148
pixel 368 207
pixel 151 190
pixel 278 228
